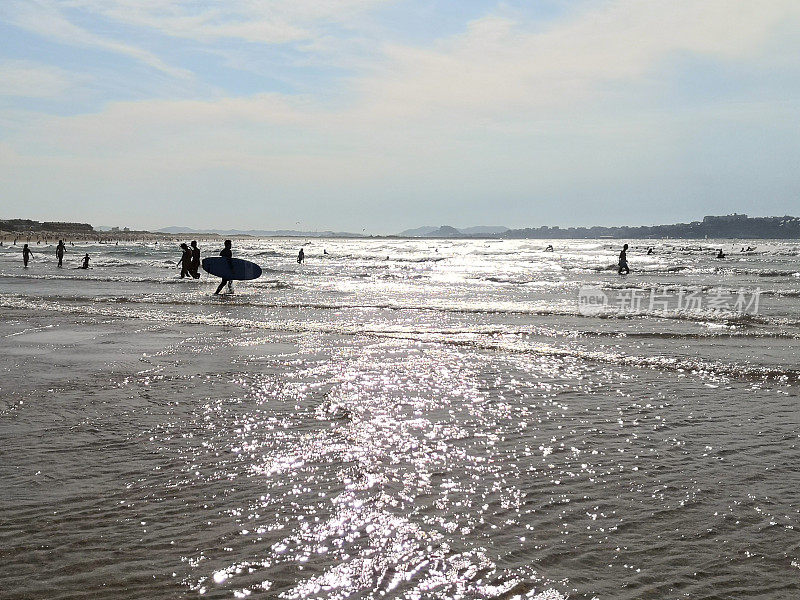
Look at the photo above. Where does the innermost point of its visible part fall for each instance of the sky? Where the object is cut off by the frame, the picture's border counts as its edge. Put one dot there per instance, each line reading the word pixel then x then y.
pixel 381 115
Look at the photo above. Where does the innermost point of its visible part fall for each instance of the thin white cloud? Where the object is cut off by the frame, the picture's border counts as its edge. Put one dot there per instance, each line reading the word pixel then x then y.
pixel 28 79
pixel 44 18
pixel 260 21
pixel 495 69
pixel 497 66
pixel 502 108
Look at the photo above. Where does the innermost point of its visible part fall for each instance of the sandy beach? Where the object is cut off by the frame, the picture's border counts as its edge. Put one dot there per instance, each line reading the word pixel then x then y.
pixel 447 423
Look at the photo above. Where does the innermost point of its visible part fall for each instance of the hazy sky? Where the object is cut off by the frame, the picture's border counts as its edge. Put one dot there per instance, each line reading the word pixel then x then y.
pixel 385 115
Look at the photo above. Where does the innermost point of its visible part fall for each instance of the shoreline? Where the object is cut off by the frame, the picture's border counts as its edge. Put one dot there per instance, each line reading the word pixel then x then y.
pixel 97 236
pixel 106 237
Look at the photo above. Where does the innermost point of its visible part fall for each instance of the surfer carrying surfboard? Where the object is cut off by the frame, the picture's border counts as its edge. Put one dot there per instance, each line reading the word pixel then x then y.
pixel 226 252
pixel 230 269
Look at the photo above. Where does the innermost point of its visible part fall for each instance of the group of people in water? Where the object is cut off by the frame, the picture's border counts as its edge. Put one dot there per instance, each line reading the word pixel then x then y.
pixel 61 250
pixel 190 260
pixel 623 268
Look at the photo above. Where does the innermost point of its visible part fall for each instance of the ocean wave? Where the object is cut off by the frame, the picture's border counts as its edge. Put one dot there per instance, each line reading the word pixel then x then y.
pixel 694 366
pixel 495 279
pixel 421 259
pixel 777 273
pixel 781 293
pixel 86 275
pixel 564 309
pixel 112 262
pixel 673 364
pixel 755 272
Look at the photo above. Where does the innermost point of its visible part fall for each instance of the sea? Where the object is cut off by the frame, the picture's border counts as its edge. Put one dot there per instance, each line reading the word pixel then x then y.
pixel 402 418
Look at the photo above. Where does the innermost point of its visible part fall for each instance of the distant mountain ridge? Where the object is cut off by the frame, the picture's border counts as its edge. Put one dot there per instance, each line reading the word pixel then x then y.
pixel 446 231
pixel 259 232
pixel 721 226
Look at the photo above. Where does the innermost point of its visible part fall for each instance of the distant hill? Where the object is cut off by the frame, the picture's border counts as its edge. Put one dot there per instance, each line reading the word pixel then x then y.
pixel 446 231
pixel 259 232
pixel 484 230
pixel 180 230
pixel 720 226
pixel 418 232
pixel 20 225
pixel 723 227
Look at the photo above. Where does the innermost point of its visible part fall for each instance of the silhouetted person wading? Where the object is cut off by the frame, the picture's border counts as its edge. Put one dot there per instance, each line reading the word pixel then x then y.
pixel 194 267
pixel 623 261
pixel 60 250
pixel 226 252
pixel 185 261
pixel 26 255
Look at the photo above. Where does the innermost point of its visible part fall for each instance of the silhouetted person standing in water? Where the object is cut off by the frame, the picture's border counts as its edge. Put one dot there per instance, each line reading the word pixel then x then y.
pixel 226 252
pixel 301 257
pixel 623 261
pixel 185 260
pixel 60 249
pixel 194 266
pixel 26 255
pixel 85 264
pixel 720 254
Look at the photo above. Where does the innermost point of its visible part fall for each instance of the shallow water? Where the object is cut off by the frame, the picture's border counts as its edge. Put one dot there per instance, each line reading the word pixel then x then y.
pixel 401 419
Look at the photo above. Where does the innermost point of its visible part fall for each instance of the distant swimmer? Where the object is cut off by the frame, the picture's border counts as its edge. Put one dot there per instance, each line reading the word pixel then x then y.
pixel 26 255
pixel 60 250
pixel 649 251
pixel 623 261
pixel 720 254
pixel 226 252
pixel 549 248
pixel 194 267
pixel 324 250
pixel 185 261
pixel 301 257
pixel 85 264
